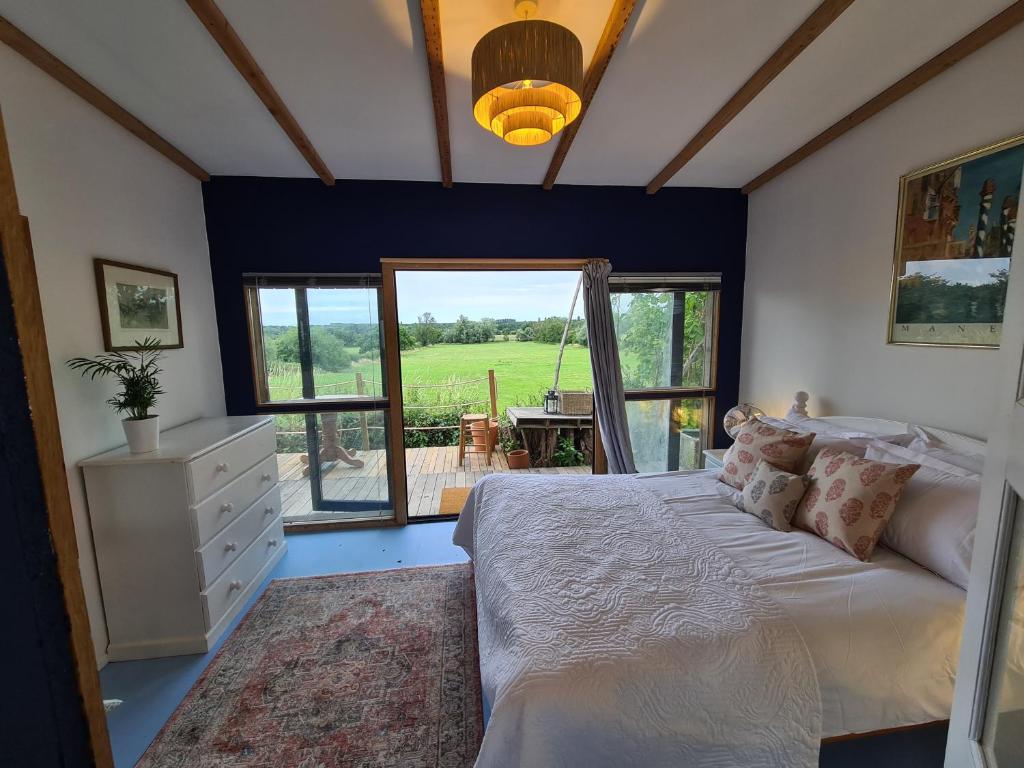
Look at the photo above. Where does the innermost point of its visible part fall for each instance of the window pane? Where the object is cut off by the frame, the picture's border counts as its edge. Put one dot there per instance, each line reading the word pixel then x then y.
pixel 664 338
pixel 1004 735
pixel 344 332
pixel 667 435
pixel 280 335
pixel 351 479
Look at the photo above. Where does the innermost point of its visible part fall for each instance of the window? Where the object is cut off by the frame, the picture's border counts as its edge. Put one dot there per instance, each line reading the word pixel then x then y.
pixel 665 327
pixel 317 352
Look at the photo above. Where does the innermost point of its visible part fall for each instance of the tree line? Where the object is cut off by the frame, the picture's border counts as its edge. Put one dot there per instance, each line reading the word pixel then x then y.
pixel 336 346
pixel 427 331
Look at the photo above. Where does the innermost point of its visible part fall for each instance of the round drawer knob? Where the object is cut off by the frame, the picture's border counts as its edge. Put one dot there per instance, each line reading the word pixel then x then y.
pixel 228 507
pixel 231 546
pixel 222 467
pixel 268 511
pixel 235 585
pixel 265 477
pixel 272 543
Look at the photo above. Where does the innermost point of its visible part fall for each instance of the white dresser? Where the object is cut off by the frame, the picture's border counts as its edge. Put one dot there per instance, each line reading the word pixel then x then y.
pixel 184 535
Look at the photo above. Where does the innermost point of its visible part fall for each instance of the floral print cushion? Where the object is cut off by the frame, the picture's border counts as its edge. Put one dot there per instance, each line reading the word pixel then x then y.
pixel 781 448
pixel 850 499
pixel 773 495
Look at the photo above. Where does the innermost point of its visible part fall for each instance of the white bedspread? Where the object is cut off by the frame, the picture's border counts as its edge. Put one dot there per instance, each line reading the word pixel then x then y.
pixel 613 633
pixel 884 635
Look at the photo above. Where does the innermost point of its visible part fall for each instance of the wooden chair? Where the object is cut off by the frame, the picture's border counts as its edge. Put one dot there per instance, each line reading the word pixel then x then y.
pixel 475 436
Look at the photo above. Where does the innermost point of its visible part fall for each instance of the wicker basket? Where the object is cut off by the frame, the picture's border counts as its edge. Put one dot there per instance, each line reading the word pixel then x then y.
pixel 576 403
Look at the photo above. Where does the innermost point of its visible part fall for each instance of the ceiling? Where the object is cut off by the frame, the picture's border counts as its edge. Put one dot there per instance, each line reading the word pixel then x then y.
pixel 354 75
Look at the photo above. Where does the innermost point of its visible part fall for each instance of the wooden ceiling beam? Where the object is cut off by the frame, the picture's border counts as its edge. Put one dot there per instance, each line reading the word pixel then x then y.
pixel 961 49
pixel 805 34
pixel 618 18
pixel 431 15
pixel 21 43
pixel 224 34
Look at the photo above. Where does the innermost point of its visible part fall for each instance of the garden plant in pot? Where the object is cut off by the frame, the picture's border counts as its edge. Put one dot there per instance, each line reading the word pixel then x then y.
pixel 137 371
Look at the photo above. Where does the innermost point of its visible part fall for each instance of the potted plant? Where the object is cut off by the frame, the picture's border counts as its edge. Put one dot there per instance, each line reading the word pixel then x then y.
pixel 137 371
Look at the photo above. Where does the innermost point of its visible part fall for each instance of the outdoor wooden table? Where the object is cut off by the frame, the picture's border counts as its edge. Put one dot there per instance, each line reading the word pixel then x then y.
pixel 539 431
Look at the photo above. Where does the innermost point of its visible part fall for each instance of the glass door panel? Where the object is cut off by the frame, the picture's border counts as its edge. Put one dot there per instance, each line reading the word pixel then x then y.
pixel 319 349
pixel 1004 725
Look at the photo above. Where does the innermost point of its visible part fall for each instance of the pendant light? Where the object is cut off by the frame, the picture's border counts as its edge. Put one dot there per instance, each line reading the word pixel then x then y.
pixel 527 77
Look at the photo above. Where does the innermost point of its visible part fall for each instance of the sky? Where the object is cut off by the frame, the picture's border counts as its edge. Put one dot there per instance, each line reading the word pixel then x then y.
pixel 519 295
pixel 446 295
pixel 966 271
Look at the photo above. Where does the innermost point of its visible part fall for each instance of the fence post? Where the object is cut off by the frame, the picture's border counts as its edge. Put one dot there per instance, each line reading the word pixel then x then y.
pixel 362 414
pixel 494 393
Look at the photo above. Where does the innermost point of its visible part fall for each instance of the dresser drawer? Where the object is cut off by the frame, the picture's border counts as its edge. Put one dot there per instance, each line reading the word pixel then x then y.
pixel 222 594
pixel 214 470
pixel 229 545
pixel 232 500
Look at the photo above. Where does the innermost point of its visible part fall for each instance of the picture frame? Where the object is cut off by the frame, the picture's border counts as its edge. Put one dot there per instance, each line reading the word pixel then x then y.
pixel 136 302
pixel 954 237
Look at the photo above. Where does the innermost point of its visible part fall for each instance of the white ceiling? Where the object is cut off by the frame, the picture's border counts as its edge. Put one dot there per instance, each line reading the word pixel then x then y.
pixel 353 72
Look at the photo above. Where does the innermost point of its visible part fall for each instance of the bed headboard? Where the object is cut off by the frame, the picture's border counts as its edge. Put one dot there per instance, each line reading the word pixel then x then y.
pixel 954 440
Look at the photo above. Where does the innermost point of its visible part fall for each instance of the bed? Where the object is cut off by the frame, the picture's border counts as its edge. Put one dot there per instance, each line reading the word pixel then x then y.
pixel 643 620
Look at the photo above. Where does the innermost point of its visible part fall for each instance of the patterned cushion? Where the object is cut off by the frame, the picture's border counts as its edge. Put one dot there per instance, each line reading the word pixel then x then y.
pixel 850 499
pixel 781 448
pixel 773 495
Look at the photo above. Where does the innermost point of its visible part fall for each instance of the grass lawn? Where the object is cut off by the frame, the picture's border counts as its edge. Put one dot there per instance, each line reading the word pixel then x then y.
pixel 523 370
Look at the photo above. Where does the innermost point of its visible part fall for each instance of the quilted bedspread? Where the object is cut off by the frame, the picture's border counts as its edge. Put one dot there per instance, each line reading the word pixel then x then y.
pixel 613 633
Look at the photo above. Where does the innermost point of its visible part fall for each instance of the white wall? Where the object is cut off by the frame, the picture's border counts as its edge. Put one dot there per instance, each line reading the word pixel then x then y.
pixel 91 189
pixel 819 259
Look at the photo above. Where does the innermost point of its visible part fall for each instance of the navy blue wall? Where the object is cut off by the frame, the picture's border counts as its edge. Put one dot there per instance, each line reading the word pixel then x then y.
pixel 42 722
pixel 301 225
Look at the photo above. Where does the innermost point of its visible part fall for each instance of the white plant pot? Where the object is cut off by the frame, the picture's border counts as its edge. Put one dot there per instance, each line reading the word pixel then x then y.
pixel 143 434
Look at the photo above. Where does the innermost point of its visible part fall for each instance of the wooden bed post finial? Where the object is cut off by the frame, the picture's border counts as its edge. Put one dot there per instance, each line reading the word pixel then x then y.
pixel 800 403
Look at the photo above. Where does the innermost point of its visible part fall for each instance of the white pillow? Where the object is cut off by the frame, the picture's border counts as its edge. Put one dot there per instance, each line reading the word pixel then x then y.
pixel 831 436
pixel 935 518
pixel 897 454
pixel 925 442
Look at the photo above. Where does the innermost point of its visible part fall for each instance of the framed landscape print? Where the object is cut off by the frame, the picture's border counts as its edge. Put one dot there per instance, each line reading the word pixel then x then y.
pixel 136 302
pixel 954 238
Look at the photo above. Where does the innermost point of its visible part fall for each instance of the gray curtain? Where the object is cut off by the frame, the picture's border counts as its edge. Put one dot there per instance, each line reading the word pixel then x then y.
pixel 609 399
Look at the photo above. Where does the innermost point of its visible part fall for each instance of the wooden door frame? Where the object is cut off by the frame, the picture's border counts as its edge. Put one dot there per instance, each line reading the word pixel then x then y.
pixel 28 317
pixel 393 357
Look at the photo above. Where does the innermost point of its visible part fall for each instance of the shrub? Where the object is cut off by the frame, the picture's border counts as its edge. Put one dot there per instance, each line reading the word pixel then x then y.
pixel 567 454
pixel 329 353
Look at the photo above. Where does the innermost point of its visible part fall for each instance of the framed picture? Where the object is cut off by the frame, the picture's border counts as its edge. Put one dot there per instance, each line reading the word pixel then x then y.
pixel 136 302
pixel 954 238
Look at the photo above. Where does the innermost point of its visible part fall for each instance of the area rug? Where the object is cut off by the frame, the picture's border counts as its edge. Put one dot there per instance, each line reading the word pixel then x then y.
pixel 453 500
pixel 362 670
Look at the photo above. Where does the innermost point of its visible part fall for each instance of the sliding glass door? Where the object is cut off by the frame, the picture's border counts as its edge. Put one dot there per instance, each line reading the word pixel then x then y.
pixel 318 357
pixel 665 326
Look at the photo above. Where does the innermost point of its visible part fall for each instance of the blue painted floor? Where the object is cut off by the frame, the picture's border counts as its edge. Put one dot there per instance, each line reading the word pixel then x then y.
pixel 152 689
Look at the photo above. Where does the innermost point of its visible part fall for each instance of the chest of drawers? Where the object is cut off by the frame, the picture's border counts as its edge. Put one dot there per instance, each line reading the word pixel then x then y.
pixel 184 535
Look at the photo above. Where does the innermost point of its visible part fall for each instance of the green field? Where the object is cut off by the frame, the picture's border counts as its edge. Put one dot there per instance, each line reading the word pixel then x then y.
pixel 523 371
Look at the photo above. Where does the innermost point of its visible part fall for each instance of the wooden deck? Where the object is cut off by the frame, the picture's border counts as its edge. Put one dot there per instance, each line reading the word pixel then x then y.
pixel 430 470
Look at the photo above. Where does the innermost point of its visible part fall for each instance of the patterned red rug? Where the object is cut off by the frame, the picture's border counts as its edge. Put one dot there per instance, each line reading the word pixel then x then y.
pixel 361 670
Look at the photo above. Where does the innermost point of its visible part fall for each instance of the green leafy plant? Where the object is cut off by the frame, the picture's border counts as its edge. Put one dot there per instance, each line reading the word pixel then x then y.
pixel 137 372
pixel 507 438
pixel 567 454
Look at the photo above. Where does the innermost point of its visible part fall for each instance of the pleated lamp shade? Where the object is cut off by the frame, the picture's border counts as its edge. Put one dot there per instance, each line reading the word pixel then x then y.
pixel 527 77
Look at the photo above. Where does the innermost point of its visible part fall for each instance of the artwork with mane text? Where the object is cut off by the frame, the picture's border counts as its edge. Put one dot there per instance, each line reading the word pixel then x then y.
pixel 954 242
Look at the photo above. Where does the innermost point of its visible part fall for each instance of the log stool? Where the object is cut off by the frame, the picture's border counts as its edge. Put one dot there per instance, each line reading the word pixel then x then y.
pixel 477 428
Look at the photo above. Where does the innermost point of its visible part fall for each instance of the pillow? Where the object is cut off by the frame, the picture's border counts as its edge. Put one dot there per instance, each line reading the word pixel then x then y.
pixel 826 428
pixel 935 521
pixel 830 436
pixel 782 448
pixel 773 495
pixel 894 454
pixel 850 499
pixel 925 442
